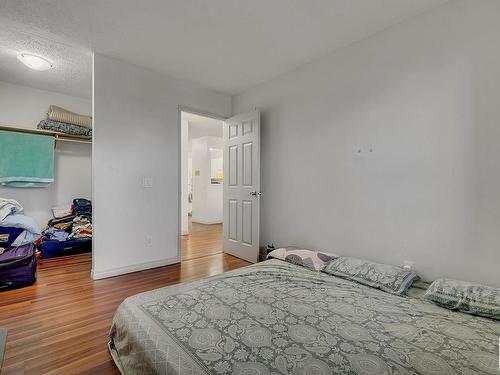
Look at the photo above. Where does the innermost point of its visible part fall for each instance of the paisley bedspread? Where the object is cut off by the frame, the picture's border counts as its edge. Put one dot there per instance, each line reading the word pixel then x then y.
pixel 278 318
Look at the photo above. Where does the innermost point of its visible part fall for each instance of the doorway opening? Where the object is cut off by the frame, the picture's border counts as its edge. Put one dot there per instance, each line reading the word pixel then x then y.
pixel 202 178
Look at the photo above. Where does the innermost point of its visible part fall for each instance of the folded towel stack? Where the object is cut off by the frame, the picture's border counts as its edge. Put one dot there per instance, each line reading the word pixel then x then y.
pixel 64 121
pixel 59 114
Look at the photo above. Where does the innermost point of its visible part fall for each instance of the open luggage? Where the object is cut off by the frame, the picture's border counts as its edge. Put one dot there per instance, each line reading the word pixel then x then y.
pixel 54 248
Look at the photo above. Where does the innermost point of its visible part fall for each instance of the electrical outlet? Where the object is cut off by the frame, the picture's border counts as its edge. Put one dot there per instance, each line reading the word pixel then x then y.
pixel 149 241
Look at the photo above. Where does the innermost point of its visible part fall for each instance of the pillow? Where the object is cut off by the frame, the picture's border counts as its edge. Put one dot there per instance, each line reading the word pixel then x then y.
pixel 469 298
pixel 391 279
pixel 314 260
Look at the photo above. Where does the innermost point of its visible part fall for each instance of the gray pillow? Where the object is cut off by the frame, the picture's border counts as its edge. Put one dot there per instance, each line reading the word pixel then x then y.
pixel 313 260
pixel 391 279
pixel 469 298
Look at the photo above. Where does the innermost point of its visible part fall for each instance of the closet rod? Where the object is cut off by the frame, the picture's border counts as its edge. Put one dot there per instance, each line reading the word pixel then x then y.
pixel 57 135
pixel 59 139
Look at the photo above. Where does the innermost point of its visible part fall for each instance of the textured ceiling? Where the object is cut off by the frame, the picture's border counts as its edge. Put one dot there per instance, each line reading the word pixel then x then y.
pixel 226 45
pixel 72 65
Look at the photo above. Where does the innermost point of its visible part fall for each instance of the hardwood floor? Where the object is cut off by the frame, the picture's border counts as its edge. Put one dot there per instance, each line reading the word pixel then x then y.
pixel 60 324
pixel 203 240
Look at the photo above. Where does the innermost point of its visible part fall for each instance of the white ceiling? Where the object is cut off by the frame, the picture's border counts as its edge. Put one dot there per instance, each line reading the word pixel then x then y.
pixel 200 126
pixel 226 45
pixel 72 65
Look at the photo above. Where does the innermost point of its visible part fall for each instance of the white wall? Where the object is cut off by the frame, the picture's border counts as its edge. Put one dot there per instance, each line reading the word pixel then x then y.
pixel 425 95
pixel 24 107
pixel 207 198
pixel 136 123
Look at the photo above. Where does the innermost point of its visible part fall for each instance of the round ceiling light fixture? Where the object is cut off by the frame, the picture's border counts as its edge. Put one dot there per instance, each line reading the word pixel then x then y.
pixel 34 62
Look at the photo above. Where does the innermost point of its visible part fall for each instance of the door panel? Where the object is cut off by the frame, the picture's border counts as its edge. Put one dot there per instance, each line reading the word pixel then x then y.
pixel 247 164
pixel 246 236
pixel 242 186
pixel 233 220
pixel 233 165
pixel 233 131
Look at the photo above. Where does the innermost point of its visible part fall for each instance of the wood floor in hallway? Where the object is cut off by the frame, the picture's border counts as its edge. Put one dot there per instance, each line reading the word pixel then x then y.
pixel 60 324
pixel 203 240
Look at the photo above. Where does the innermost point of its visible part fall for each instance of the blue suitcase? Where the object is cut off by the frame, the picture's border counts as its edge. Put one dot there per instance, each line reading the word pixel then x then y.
pixel 54 248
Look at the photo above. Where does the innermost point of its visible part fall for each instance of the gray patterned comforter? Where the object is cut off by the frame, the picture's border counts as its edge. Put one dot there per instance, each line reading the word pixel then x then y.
pixel 278 318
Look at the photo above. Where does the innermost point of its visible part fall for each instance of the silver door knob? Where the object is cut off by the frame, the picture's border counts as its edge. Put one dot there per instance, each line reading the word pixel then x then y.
pixel 255 194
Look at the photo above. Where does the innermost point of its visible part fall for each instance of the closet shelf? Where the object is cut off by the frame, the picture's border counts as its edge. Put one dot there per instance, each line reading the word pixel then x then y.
pixel 59 137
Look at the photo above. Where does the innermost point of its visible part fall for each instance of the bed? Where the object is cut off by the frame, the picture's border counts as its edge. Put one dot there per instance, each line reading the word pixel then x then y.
pixel 279 318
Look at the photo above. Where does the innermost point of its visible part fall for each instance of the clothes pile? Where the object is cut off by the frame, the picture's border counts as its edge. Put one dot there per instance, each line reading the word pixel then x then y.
pixel 63 121
pixel 83 207
pixel 16 229
pixel 70 231
pixel 18 233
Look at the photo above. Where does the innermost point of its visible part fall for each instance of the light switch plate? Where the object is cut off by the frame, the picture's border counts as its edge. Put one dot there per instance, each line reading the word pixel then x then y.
pixel 147 182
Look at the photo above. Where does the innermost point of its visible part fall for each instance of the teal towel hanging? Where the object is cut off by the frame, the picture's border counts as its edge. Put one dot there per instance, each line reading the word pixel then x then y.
pixel 26 160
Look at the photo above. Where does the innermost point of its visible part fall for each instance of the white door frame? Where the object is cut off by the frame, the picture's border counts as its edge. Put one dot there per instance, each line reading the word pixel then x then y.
pixel 198 112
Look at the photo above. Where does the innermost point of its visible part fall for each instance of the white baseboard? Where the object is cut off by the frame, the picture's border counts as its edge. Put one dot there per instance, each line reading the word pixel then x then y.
pixel 133 268
pixel 203 221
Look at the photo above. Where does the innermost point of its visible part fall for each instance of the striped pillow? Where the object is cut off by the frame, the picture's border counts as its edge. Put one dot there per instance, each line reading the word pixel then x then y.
pixel 469 298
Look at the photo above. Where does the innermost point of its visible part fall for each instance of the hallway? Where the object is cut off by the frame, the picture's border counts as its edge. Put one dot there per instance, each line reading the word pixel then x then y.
pixel 203 240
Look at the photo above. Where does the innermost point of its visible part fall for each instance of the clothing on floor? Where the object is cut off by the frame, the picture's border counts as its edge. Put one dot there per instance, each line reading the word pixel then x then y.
pixel 83 207
pixel 56 234
pixel 9 234
pixel 26 160
pixel 9 206
pixel 71 234
pixel 25 238
pixel 16 229
pixel 64 226
pixel 21 221
pixel 62 211
pixel 82 228
pixel 62 220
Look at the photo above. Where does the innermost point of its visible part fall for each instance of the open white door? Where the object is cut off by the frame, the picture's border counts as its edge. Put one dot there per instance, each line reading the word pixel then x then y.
pixel 242 186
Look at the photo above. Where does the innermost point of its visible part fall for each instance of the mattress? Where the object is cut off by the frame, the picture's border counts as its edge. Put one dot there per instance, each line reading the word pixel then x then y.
pixel 278 318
